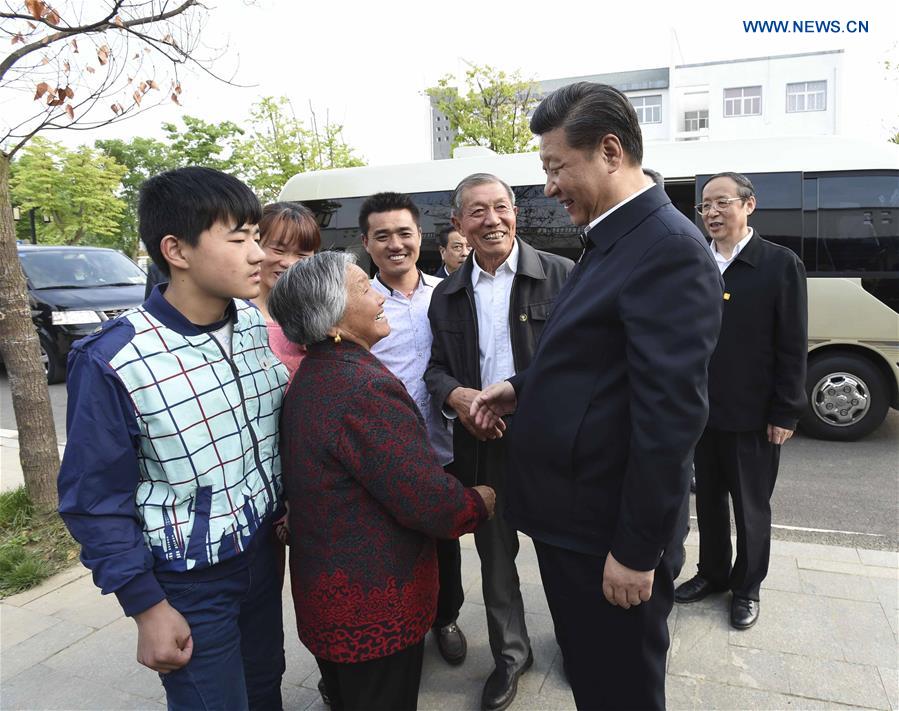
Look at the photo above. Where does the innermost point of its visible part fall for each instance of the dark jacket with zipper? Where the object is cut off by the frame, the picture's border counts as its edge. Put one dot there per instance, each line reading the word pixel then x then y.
pixel 455 361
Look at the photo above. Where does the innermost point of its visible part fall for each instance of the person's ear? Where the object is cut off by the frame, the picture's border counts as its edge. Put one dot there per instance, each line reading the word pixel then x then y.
pixel 750 204
pixel 173 250
pixel 458 226
pixel 612 152
pixel 365 241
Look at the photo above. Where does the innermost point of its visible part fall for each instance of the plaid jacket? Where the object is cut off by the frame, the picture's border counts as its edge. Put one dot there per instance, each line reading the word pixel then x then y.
pixel 172 459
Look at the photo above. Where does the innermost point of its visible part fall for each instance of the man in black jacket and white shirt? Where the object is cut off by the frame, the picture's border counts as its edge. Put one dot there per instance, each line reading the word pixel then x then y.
pixel 487 317
pixel 756 396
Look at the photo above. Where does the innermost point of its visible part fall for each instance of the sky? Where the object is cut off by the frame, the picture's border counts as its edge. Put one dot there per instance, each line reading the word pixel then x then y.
pixel 366 64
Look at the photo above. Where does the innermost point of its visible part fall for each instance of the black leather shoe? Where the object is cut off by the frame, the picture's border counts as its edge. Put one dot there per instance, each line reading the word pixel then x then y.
pixel 694 590
pixel 744 613
pixel 451 643
pixel 502 685
pixel 322 689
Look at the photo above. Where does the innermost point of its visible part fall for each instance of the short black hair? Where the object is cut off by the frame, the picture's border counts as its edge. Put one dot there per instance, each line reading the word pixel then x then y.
pixel 745 188
pixel 589 111
pixel 443 235
pixel 386 202
pixel 188 201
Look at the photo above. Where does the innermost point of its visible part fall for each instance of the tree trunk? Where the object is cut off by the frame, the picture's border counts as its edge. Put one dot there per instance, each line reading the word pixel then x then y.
pixel 20 349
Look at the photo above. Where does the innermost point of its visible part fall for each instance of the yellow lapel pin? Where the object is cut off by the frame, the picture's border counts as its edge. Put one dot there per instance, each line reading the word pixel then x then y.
pixel 727 296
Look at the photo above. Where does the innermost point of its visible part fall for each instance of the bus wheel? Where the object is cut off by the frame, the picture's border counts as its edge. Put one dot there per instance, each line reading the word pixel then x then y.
pixel 847 398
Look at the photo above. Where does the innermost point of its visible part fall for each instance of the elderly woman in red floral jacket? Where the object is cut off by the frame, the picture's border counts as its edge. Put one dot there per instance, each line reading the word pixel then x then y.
pixel 367 495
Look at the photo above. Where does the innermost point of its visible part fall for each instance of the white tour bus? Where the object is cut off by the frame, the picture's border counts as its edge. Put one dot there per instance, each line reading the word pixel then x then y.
pixel 833 201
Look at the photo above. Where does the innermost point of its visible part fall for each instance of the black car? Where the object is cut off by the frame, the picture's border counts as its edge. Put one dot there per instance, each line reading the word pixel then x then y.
pixel 72 290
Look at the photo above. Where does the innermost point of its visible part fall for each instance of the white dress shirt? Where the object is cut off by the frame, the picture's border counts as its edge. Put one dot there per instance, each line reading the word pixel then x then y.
pixel 722 262
pixel 615 207
pixel 491 298
pixel 406 351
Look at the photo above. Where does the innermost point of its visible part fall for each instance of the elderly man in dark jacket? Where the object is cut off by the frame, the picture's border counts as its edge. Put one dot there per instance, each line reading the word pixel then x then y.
pixel 487 317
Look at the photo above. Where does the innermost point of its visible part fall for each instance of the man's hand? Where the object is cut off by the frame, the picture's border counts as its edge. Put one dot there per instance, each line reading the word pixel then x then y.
pixel 460 400
pixel 163 638
pixel 625 587
pixel 778 435
pixel 488 496
pixel 492 403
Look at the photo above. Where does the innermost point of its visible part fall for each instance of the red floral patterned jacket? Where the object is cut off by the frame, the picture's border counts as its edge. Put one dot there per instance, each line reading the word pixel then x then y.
pixel 367 497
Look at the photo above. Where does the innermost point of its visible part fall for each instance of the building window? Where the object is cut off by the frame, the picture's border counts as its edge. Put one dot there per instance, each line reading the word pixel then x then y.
pixel 743 101
pixel 648 108
pixel 696 120
pixel 806 96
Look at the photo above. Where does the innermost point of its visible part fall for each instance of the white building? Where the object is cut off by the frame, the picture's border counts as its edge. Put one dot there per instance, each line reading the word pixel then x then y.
pixel 784 95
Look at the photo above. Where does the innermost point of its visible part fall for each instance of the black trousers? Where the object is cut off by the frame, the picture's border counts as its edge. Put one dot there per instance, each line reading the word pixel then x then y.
pixel 385 684
pixel 742 465
pixel 615 658
pixel 451 595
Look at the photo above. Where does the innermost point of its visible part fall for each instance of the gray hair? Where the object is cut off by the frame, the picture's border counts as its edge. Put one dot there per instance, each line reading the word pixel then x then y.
pixel 472 181
pixel 745 189
pixel 310 297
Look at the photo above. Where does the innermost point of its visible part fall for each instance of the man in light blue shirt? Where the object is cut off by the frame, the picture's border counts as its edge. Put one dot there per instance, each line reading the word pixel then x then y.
pixel 392 237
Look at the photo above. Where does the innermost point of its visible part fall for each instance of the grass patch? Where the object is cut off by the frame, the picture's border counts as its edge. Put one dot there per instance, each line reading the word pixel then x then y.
pixel 32 546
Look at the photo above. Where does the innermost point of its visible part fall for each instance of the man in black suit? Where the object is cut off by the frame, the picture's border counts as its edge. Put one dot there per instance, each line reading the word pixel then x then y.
pixel 608 413
pixel 454 251
pixel 756 396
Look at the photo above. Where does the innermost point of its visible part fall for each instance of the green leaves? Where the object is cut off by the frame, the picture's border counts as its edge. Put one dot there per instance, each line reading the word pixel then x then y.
pixel 278 145
pixel 75 189
pixel 494 112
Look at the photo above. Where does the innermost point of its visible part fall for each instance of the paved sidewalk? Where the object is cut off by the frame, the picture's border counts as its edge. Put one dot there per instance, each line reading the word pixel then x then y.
pixel 827 638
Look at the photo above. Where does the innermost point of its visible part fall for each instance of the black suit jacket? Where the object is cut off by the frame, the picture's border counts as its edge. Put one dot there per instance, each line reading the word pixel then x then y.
pixel 757 373
pixel 615 398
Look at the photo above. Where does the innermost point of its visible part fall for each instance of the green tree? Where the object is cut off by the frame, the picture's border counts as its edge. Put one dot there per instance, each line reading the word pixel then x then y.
pixel 494 111
pixel 142 158
pixel 202 143
pixel 76 189
pixel 278 145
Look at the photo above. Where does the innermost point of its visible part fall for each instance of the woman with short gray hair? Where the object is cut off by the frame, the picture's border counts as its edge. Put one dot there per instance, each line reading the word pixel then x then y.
pixel 367 495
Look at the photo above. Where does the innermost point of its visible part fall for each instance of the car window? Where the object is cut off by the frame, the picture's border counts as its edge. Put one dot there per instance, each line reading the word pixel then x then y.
pixel 72 269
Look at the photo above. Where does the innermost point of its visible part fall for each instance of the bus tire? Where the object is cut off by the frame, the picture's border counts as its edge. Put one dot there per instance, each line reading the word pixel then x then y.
pixel 848 397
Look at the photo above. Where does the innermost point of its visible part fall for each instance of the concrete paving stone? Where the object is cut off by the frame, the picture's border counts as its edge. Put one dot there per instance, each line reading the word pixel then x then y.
pixel 42 687
pixel 17 625
pixel 841 682
pixel 109 657
pixel 701 649
pixel 712 695
pixel 837 566
pixel 794 623
pixel 815 551
pixel 863 631
pixel 890 678
pixel 298 697
pixel 838 585
pixel 887 591
pixel 680 693
pixel 52 583
pixel 886 559
pixel 79 601
pixel 37 648
pixel 783 574
pixel 892 614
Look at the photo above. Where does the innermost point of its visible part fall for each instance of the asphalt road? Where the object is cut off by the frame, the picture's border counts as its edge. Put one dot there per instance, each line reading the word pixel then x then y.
pixel 827 492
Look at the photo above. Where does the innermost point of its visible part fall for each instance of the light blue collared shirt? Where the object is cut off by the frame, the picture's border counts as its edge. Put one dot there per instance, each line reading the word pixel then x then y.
pixel 407 350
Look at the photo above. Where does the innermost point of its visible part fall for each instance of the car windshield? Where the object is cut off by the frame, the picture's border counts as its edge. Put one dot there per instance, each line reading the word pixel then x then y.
pixel 74 269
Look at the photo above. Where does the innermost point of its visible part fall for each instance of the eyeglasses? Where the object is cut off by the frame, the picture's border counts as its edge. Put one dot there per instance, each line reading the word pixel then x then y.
pixel 721 204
